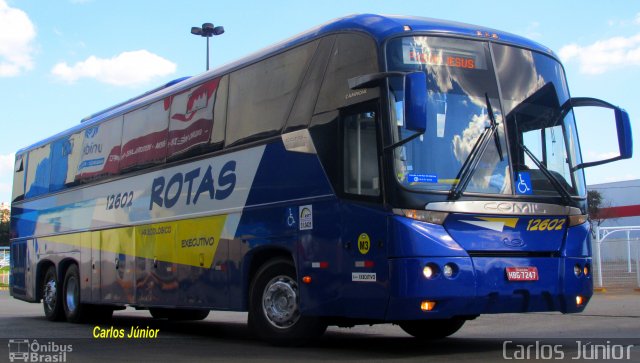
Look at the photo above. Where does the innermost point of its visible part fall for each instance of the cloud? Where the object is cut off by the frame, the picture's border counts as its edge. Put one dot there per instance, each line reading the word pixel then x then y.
pixel 533 30
pixel 604 55
pixel 17 33
pixel 125 69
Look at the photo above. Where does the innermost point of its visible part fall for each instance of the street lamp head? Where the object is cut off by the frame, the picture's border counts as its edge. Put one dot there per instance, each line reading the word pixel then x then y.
pixel 196 30
pixel 218 30
pixel 207 27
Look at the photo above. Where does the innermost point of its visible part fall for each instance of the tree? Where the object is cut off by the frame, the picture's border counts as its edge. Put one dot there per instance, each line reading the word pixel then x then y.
pixel 597 206
pixel 4 227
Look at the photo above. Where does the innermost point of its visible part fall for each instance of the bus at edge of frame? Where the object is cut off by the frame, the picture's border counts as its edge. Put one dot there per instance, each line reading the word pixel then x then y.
pixel 375 169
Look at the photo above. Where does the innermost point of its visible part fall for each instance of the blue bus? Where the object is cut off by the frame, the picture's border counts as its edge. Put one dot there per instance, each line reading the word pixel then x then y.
pixel 375 169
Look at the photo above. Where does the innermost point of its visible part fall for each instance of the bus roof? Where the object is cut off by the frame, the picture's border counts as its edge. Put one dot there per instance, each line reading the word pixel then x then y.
pixel 379 27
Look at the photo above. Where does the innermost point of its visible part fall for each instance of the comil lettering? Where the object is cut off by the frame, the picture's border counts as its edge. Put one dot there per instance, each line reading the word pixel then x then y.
pixel 197 183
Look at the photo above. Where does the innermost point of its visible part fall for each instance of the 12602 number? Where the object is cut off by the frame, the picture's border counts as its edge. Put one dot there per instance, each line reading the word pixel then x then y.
pixel 120 200
pixel 546 224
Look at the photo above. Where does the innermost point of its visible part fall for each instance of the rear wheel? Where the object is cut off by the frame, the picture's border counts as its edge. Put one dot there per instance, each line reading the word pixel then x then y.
pixel 432 329
pixel 179 314
pixel 274 306
pixel 51 296
pixel 74 311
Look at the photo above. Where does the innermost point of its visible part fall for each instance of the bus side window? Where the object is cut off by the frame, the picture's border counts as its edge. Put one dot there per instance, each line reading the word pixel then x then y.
pixel 144 135
pixel 352 55
pixel 360 158
pixel 261 95
pixel 308 94
pixel 38 171
pixel 65 158
pixel 101 146
pixel 18 177
pixel 191 119
pixel 220 114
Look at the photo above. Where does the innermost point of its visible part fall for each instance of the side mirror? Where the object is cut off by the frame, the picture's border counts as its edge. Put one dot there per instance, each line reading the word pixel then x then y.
pixel 623 128
pixel 415 104
pixel 625 140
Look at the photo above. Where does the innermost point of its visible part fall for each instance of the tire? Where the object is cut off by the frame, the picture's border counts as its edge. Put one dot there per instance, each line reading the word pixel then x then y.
pixel 432 329
pixel 179 314
pixel 52 296
pixel 74 311
pixel 274 307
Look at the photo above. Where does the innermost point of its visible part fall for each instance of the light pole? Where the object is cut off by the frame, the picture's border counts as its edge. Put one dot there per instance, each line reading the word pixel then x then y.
pixel 207 30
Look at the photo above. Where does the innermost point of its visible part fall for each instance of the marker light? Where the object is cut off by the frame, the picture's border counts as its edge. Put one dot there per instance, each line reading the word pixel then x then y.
pixel 427 305
pixel 579 300
pixel 306 279
pixel 577 220
pixel 586 270
pixel 577 270
pixel 449 270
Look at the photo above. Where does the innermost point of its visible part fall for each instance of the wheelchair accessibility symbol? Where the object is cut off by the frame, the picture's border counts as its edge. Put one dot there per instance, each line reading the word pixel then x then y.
pixel 291 221
pixel 523 185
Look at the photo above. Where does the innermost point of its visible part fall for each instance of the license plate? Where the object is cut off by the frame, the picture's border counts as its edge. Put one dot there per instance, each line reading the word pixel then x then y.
pixel 522 273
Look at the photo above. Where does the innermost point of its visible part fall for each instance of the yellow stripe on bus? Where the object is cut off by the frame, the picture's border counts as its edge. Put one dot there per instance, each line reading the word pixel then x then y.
pixel 191 242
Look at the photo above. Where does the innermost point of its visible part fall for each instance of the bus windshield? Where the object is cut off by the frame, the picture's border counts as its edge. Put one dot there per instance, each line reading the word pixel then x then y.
pixel 462 84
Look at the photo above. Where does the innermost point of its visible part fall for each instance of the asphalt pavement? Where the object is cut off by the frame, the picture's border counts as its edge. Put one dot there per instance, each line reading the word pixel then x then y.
pixel 610 323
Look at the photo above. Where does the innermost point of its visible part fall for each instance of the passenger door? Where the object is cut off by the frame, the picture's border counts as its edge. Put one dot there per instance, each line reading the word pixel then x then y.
pixel 365 266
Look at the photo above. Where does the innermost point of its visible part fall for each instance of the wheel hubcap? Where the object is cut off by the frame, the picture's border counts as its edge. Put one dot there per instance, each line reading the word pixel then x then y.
pixel 71 294
pixel 280 302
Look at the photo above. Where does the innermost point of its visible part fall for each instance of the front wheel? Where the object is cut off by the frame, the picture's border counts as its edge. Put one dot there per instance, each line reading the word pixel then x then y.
pixel 432 329
pixel 274 306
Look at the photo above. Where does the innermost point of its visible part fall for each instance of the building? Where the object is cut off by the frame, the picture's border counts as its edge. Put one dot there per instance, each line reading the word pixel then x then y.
pixel 620 203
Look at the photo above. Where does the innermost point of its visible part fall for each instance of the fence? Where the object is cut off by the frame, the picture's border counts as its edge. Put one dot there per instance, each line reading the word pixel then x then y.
pixel 616 257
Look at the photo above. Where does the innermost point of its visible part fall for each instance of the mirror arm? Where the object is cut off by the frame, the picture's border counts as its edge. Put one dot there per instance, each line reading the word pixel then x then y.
pixel 402 142
pixel 595 163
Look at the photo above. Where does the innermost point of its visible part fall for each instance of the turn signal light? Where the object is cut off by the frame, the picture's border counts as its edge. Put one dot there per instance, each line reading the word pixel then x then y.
pixel 579 300
pixel 306 279
pixel 427 305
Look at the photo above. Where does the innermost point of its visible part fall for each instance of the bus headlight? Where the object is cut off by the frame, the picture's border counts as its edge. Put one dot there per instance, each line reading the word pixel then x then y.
pixel 430 271
pixel 422 215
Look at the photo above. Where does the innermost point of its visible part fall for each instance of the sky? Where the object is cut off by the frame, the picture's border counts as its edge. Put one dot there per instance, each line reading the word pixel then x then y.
pixel 62 60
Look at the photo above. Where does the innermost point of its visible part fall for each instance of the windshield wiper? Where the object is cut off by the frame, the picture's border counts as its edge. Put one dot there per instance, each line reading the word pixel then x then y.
pixel 557 185
pixel 494 125
pixel 472 161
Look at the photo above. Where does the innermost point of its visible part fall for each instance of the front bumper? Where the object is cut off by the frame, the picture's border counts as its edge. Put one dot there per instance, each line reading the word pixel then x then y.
pixel 480 286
